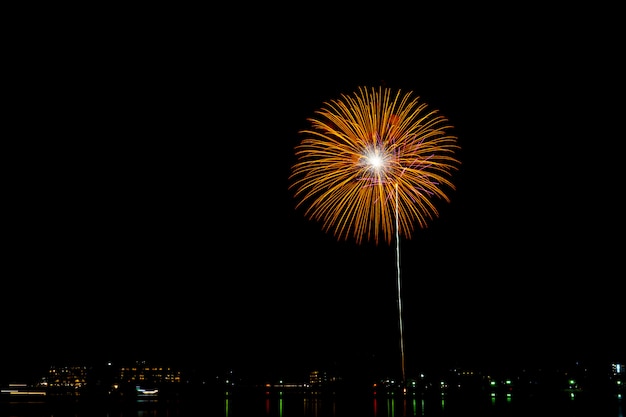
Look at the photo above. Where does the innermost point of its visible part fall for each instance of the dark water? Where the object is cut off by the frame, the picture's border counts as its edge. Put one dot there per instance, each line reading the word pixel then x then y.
pixel 328 405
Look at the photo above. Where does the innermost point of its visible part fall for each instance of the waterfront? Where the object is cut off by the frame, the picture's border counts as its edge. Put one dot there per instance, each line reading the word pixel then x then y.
pixel 144 390
pixel 278 404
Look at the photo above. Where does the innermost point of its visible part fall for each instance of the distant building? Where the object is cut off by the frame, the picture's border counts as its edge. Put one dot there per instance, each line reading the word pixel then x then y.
pixel 618 378
pixel 318 378
pixel 67 379
pixel 144 374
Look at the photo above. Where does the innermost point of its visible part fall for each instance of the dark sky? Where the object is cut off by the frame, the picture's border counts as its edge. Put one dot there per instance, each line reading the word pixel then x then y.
pixel 147 213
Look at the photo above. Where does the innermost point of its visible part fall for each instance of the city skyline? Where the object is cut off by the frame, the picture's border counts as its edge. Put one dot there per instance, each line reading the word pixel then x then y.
pixel 65 378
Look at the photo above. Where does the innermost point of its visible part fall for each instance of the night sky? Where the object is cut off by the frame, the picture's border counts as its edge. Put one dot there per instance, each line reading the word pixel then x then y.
pixel 147 214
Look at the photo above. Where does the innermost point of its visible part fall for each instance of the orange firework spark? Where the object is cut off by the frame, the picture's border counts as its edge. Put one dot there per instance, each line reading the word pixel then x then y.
pixel 371 158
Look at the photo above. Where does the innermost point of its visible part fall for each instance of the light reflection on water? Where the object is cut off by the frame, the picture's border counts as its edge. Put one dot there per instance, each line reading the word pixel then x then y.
pixel 328 405
pixel 299 405
pixel 290 405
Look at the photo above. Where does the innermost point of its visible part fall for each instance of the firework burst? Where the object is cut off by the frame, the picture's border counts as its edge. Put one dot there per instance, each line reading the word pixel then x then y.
pixel 371 163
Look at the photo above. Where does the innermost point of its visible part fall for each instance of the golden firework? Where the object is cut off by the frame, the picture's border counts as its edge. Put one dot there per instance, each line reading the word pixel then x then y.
pixel 372 158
